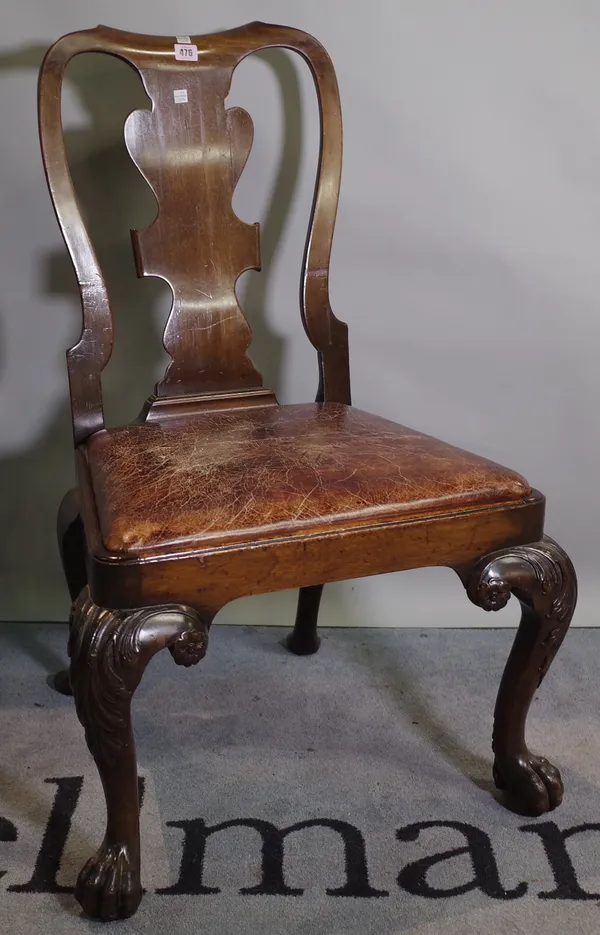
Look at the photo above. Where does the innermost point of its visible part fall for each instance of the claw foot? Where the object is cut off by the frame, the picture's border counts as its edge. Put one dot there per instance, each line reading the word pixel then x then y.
pixel 109 886
pixel 531 780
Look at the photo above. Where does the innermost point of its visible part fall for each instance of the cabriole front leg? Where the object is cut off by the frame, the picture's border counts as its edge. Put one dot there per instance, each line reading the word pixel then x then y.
pixel 542 578
pixel 109 652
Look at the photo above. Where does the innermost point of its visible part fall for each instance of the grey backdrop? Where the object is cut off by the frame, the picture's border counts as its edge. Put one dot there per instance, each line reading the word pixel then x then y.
pixel 465 262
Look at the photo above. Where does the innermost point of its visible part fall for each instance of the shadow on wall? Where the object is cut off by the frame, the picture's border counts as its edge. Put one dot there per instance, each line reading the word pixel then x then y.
pixel 115 198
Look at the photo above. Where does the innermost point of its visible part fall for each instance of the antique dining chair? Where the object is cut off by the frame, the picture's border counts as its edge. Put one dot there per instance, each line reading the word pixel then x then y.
pixel 217 491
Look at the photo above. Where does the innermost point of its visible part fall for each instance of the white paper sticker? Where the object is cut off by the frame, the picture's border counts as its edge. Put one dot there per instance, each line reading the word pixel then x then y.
pixel 184 39
pixel 180 96
pixel 186 53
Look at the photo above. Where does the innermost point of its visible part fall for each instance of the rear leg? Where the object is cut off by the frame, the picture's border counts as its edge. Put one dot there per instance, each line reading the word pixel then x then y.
pixel 304 639
pixel 71 545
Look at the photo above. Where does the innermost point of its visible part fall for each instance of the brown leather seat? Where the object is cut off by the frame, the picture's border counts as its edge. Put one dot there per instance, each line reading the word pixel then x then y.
pixel 261 473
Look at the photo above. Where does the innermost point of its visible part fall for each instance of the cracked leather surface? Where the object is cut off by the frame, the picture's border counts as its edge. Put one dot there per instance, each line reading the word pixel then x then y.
pixel 245 474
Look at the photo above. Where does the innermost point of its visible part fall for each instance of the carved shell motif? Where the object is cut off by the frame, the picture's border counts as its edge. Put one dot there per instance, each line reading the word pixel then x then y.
pixel 109 652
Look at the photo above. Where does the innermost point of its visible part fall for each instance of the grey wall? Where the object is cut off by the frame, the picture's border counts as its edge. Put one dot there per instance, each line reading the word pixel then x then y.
pixel 465 263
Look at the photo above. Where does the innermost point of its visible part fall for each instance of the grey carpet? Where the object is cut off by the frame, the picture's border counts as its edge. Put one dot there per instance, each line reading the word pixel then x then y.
pixel 381 730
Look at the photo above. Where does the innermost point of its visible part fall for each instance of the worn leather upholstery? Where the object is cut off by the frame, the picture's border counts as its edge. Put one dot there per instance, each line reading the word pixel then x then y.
pixel 249 474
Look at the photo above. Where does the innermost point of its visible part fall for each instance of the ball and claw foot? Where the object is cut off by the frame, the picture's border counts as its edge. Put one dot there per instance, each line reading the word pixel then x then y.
pixel 109 887
pixel 530 780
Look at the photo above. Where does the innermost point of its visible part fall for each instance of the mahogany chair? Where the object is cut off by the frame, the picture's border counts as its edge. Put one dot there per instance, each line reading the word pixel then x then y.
pixel 217 491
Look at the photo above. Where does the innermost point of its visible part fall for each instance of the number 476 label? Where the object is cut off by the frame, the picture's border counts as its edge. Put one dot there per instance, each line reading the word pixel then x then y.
pixel 186 52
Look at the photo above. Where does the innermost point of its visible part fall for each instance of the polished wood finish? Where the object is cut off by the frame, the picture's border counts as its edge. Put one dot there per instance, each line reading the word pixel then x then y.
pixel 71 543
pixel 542 577
pixel 109 652
pixel 192 155
pixel 217 491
